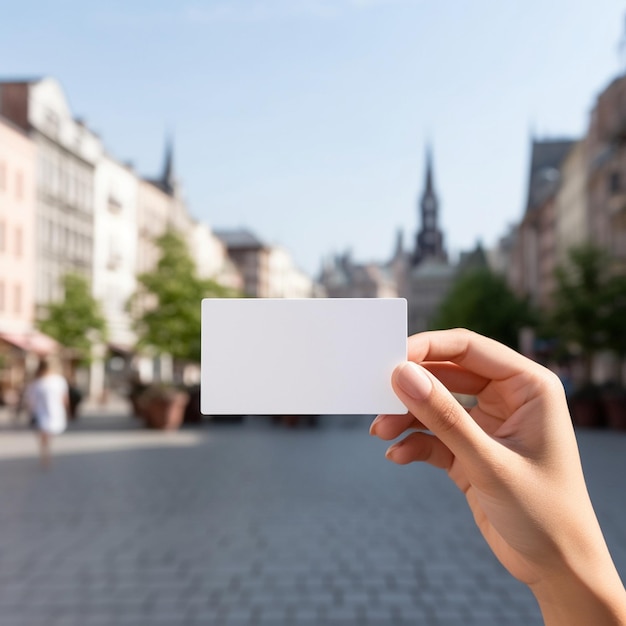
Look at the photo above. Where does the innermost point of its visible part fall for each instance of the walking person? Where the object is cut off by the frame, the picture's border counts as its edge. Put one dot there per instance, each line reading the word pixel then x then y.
pixel 47 398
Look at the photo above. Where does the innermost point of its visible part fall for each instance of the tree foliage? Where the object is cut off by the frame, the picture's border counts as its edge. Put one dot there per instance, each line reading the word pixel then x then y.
pixel 579 314
pixel 590 304
pixel 167 304
pixel 76 322
pixel 482 301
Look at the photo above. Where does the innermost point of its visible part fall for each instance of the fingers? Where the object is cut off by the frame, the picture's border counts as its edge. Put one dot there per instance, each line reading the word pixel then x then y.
pixel 456 378
pixel 482 356
pixel 388 427
pixel 421 447
pixel 434 406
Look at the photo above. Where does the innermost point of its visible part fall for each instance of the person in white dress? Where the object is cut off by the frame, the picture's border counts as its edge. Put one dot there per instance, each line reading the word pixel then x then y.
pixel 48 401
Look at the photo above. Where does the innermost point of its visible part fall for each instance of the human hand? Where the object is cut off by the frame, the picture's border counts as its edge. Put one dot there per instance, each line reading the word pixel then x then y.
pixel 514 456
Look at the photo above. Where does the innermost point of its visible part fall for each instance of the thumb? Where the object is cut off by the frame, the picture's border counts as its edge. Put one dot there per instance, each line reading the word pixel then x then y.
pixel 433 405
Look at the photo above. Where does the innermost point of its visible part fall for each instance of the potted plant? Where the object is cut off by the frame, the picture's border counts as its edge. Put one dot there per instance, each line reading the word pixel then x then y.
pixel 163 406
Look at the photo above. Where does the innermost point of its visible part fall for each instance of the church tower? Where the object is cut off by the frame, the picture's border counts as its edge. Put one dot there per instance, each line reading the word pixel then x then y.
pixel 167 181
pixel 429 240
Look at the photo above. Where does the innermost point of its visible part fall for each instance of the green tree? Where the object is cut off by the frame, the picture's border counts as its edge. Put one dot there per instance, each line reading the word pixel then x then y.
pixel 582 301
pixel 616 321
pixel 482 301
pixel 167 304
pixel 76 322
pixel 589 310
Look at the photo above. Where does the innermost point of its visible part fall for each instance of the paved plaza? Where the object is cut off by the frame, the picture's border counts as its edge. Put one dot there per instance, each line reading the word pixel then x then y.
pixel 255 524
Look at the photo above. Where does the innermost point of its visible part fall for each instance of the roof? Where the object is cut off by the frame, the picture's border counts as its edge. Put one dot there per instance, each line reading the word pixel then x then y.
pixel 547 157
pixel 21 81
pixel 239 238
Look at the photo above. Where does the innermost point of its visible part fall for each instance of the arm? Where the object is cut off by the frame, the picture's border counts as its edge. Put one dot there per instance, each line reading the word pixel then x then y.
pixel 514 456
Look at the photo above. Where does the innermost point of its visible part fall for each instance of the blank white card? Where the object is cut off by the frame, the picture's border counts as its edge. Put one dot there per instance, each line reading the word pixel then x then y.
pixel 301 357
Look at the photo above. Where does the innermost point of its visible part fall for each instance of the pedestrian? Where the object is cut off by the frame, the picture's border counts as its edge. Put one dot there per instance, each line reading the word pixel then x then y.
pixel 515 458
pixel 47 398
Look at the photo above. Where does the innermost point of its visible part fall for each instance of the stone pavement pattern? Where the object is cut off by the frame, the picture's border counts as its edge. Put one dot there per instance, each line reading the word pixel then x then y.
pixel 251 524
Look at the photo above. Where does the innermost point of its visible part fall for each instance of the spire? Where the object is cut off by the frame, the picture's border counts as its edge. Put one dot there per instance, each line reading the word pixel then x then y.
pixel 168 181
pixel 399 251
pixel 429 186
pixel 429 239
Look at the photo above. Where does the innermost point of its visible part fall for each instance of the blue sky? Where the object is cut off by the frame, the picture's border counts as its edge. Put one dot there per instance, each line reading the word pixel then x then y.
pixel 307 120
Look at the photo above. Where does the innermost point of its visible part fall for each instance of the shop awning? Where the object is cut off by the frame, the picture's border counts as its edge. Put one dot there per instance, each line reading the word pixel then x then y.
pixel 34 341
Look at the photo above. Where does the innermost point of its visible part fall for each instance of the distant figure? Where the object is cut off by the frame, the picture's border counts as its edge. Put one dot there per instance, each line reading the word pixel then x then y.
pixel 75 398
pixel 47 398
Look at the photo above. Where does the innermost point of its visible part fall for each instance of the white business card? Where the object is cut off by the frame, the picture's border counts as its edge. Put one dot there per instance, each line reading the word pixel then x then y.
pixel 316 356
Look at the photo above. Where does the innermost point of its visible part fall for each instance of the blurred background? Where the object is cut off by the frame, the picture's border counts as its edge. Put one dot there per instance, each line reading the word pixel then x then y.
pixel 469 157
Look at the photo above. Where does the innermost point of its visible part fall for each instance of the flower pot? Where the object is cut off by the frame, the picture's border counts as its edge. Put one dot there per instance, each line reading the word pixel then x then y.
pixel 163 408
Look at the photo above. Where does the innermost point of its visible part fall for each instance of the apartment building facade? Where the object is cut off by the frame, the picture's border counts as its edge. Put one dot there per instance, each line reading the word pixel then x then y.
pixel 67 154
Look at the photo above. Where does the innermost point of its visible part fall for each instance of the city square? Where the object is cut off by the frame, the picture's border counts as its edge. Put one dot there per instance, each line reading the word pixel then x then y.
pixel 255 523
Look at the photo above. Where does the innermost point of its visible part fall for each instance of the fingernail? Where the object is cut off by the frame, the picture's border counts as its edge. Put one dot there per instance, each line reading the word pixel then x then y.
pixel 412 379
pixel 374 425
pixel 391 450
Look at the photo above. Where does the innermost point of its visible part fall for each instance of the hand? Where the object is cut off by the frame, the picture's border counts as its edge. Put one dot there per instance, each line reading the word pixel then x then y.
pixel 514 456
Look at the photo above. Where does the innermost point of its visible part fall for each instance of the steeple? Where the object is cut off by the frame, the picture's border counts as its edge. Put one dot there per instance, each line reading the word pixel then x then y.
pixel 168 181
pixel 429 187
pixel 429 239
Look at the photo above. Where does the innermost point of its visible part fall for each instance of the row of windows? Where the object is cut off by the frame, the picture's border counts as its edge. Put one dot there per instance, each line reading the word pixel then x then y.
pixel 17 299
pixel 59 237
pixel 65 178
pixel 18 181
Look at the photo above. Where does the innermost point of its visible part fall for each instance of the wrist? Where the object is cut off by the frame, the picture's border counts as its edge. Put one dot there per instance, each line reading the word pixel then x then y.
pixel 583 596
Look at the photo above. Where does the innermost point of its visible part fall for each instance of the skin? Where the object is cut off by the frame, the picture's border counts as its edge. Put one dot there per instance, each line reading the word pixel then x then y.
pixel 514 456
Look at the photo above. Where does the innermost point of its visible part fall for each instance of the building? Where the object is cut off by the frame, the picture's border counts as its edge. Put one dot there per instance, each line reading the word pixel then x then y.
pixel 252 258
pixel 160 206
pixel 285 279
pixel 423 275
pixel 267 271
pixel 20 342
pixel 67 153
pixel 341 277
pixel 606 177
pixel 113 283
pixel 115 247
pixel 571 211
pixel 429 274
pixel 211 257
pixel 533 257
pixel 17 229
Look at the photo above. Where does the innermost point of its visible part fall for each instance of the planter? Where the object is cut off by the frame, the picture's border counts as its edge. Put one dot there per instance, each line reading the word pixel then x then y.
pixel 163 408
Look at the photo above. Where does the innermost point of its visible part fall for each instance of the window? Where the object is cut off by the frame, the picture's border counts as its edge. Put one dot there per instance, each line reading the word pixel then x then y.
pixel 17 299
pixel 18 242
pixel 2 235
pixel 19 185
pixel 52 123
pixel 1 295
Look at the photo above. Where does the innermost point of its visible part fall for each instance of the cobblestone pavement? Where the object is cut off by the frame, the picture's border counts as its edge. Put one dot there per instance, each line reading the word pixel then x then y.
pixel 255 524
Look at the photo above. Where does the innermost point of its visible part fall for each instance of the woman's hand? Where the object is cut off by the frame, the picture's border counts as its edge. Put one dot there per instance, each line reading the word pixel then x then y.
pixel 514 456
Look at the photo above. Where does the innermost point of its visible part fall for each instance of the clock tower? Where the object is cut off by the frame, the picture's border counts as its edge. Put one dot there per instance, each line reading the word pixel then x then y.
pixel 429 240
